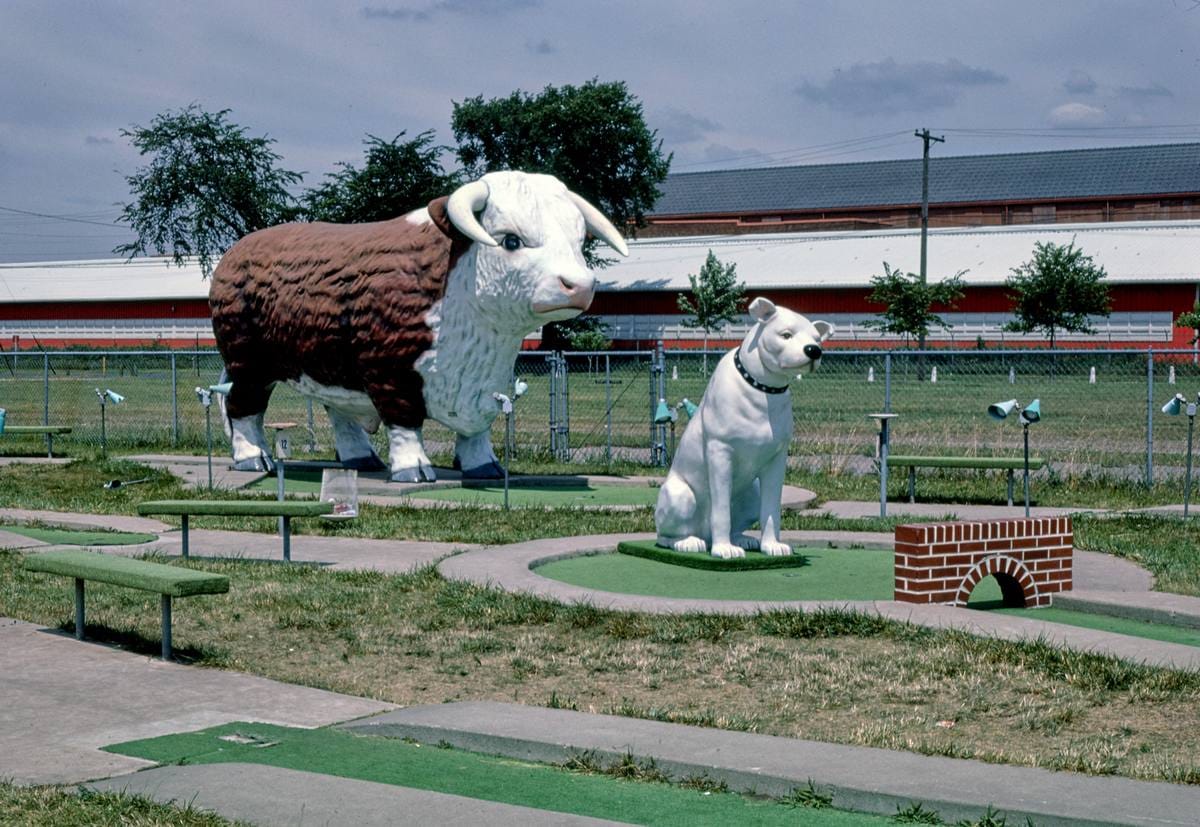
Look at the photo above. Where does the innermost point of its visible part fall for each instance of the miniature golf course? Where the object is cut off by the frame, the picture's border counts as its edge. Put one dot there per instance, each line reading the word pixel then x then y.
pixel 820 573
pixel 426 767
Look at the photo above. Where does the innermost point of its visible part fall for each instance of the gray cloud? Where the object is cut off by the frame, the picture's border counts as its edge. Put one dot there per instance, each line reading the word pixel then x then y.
pixel 541 47
pixel 1079 83
pixel 888 87
pixel 1155 90
pixel 426 12
pixel 678 127
pixel 97 140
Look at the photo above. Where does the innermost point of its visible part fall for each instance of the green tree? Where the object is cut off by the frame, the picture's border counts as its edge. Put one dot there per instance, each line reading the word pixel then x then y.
pixel 1057 289
pixel 396 177
pixel 207 184
pixel 908 303
pixel 717 298
pixel 592 137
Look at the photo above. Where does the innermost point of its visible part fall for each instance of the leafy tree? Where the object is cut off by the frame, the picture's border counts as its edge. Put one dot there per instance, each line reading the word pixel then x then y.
pixel 1057 290
pixel 396 177
pixel 908 303
pixel 716 298
pixel 207 184
pixel 592 137
pixel 580 333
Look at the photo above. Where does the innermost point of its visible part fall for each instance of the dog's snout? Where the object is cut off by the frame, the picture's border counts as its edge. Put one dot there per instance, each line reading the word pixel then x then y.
pixel 812 351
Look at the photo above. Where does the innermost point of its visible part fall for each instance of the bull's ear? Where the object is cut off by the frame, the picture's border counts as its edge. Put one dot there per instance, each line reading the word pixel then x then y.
pixel 761 309
pixel 824 329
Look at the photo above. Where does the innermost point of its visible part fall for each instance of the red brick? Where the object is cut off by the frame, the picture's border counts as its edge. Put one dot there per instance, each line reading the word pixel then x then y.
pixel 961 560
pixel 910 534
pixel 998 545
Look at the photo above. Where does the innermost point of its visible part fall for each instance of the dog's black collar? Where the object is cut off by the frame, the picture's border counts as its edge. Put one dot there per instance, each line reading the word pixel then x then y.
pixel 751 381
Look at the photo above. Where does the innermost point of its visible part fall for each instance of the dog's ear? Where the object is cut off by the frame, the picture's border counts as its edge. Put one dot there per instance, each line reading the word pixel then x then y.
pixel 824 329
pixel 761 309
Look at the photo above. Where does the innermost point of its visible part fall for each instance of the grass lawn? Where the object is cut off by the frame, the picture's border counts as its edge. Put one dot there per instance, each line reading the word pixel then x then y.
pixel 600 793
pixel 47 806
pixel 831 574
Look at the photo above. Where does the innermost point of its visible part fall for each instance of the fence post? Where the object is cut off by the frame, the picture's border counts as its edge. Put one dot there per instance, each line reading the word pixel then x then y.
pixel 45 388
pixel 887 382
pixel 564 417
pixel 174 402
pixel 1149 417
pixel 552 360
pixel 608 410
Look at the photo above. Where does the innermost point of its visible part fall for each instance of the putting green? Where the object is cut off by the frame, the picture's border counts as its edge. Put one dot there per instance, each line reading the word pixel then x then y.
pixel 831 574
pixel 394 761
pixel 73 537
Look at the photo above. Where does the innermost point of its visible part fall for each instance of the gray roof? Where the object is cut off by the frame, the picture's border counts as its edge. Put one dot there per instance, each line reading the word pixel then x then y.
pixel 1078 173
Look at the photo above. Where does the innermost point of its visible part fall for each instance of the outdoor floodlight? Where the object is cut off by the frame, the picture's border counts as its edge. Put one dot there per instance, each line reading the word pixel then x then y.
pixel 519 388
pixel 224 388
pixel 1176 405
pixel 109 395
pixel 663 414
pixel 205 396
pixel 1001 410
pixel 105 396
pixel 688 406
pixel 1030 414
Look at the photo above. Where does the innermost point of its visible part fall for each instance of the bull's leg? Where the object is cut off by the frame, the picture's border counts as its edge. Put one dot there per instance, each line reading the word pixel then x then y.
pixel 250 451
pixel 474 455
pixel 409 463
pixel 354 449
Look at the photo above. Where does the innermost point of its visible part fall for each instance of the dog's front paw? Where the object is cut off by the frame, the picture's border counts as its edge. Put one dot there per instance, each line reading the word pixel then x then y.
pixel 727 551
pixel 691 544
pixel 776 549
pixel 746 542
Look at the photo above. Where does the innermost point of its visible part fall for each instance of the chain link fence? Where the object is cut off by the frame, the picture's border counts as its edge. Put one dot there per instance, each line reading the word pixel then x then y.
pixel 1100 408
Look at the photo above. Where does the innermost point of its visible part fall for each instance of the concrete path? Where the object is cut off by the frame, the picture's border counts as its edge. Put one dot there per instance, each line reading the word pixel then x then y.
pixel 276 797
pixel 64 699
pixel 861 778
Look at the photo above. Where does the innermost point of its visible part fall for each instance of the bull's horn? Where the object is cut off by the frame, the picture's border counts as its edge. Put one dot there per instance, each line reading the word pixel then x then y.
pixel 461 207
pixel 598 225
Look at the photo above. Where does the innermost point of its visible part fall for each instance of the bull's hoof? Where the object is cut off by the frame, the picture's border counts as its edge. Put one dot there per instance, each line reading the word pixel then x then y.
pixel 422 473
pixel 253 464
pixel 371 462
pixel 488 471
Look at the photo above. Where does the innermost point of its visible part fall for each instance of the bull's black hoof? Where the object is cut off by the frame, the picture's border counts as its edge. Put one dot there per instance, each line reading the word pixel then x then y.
pixel 371 462
pixel 489 471
pixel 254 464
pixel 423 473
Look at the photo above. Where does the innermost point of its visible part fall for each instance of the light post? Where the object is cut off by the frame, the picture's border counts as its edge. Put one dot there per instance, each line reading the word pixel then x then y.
pixel 506 408
pixel 1175 406
pixel 107 395
pixel 1030 414
pixel 882 449
pixel 204 395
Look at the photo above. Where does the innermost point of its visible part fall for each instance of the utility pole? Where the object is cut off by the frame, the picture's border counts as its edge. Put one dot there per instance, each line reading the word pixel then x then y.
pixel 926 138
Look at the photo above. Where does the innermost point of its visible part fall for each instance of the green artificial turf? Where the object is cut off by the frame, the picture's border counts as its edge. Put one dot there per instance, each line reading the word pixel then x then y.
pixel 400 762
pixel 547 496
pixel 830 574
pixel 72 537
pixel 753 560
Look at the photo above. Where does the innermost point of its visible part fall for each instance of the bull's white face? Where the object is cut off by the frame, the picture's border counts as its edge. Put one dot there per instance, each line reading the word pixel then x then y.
pixel 536 273
pixel 788 344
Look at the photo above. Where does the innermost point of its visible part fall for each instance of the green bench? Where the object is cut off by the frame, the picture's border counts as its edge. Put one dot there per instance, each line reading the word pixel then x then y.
pixel 1009 464
pixel 168 581
pixel 286 510
pixel 48 431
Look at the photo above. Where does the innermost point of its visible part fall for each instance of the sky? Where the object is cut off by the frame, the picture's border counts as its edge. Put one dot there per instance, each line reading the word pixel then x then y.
pixel 725 84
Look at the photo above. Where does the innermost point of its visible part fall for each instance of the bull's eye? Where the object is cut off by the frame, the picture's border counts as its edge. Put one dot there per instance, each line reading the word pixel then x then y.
pixel 512 242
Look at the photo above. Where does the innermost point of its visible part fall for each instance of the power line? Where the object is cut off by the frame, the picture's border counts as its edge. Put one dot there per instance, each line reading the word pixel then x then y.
pixel 59 217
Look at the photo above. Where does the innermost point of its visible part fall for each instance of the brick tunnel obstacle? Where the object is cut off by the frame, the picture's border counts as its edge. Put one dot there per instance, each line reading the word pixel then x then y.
pixel 943 562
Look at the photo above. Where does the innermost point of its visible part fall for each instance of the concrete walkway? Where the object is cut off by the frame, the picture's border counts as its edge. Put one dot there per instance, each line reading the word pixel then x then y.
pixel 860 778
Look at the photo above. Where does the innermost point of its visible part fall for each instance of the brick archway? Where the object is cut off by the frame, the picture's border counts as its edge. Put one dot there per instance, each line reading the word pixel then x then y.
pixel 1031 558
pixel 1017 584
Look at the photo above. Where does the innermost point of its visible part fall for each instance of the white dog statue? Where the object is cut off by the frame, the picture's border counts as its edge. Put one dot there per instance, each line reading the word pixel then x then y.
pixel 728 470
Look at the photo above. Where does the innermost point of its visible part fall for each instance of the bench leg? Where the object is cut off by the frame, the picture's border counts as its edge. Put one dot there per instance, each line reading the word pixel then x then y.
pixel 912 483
pixel 166 627
pixel 185 535
pixel 49 446
pixel 1010 487
pixel 79 617
pixel 286 528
